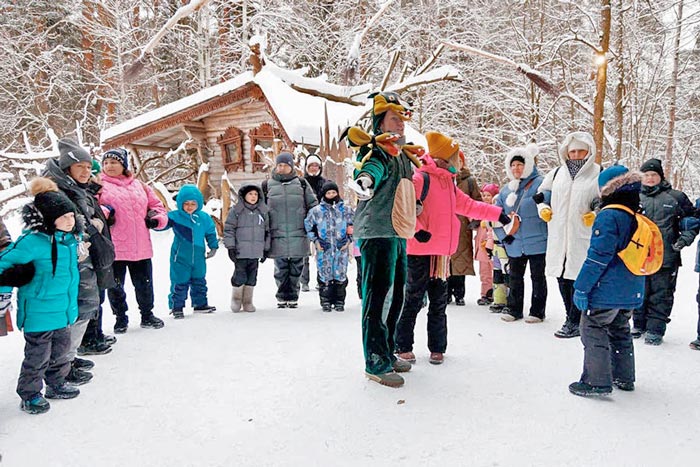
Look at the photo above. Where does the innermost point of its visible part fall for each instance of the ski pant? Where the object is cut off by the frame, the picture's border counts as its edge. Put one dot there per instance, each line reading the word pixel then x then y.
pixel 517 285
pixel 332 292
pixel 358 280
pixel 245 272
pixel 197 288
pixel 287 274
pixel 566 289
pixel 141 273
pixel 77 331
pixel 455 286
pixel 305 272
pixel 658 301
pixel 486 277
pixel 383 280
pixel 419 281
pixel 607 346
pixel 94 332
pixel 44 359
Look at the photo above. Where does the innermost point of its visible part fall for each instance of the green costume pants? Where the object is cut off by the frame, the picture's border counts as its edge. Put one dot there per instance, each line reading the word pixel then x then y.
pixel 383 280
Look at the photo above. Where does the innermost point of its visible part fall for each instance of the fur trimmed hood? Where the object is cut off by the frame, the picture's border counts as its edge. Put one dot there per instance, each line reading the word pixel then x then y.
pixel 581 136
pixel 528 153
pixel 628 179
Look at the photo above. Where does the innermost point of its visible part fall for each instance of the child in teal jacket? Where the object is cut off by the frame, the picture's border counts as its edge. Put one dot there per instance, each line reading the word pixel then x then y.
pixel 194 230
pixel 48 304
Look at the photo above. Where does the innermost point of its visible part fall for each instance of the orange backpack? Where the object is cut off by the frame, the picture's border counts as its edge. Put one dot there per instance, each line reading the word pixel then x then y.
pixel 644 254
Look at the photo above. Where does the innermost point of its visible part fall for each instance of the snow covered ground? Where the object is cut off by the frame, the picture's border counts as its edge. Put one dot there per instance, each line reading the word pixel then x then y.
pixel 286 388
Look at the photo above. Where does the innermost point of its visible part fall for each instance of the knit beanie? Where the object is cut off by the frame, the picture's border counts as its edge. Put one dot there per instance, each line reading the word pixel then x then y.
pixel 611 172
pixel 313 159
pixel 118 154
pixel 653 165
pixel 490 188
pixel 285 158
pixel 441 146
pixel 50 202
pixel 71 153
pixel 383 102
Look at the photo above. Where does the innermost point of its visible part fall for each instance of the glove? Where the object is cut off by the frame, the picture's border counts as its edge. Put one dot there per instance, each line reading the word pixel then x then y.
pixel 538 198
pixel 151 222
pixel 504 218
pixel 508 239
pixel 5 304
pixel 422 236
pixel 581 300
pixel 83 251
pixel 588 218
pixel 545 212
pixel 98 224
pixel 211 253
pixel 365 183
pixel 232 254
pixel 489 252
pixel 679 245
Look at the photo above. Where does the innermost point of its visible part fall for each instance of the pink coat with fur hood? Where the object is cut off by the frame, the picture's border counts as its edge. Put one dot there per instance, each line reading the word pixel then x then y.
pixel 131 201
pixel 440 208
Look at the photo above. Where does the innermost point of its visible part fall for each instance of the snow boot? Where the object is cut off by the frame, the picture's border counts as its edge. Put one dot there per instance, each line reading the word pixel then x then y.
pixel 177 313
pixel 531 319
pixel 293 304
pixel 108 339
pixel 497 308
pixel 391 379
pixel 94 348
pixel 237 299
pixel 580 388
pixel 695 345
pixel 460 302
pixel 204 309
pixel 623 385
pixel 35 405
pixel 653 339
pixel 484 301
pixel 326 307
pixel 248 298
pixel 62 391
pixel 82 364
pixel 401 366
pixel 325 295
pixel 567 331
pixel 122 324
pixel 436 358
pixel 150 321
pixel 305 288
pixel 508 316
pixel 78 377
pixel 637 333
pixel 410 357
pixel 339 307
pixel 338 294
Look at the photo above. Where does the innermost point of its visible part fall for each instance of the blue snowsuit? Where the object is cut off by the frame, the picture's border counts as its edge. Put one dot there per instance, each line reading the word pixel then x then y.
pixel 188 266
pixel 328 224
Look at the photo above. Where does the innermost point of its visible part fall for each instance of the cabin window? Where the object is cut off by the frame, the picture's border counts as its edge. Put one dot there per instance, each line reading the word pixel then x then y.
pixel 232 150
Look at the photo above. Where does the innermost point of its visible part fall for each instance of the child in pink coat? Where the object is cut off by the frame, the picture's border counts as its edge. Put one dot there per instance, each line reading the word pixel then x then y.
pixel 483 249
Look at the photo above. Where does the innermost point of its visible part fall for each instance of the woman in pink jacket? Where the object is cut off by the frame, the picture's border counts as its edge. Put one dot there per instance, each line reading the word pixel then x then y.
pixel 435 240
pixel 134 208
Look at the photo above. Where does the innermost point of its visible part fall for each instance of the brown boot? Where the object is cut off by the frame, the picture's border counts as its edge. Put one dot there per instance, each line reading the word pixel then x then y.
pixel 391 379
pixel 436 358
pixel 236 299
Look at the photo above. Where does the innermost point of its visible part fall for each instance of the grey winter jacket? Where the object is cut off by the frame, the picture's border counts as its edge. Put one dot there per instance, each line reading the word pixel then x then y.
pixel 666 207
pixel 247 228
pixel 289 201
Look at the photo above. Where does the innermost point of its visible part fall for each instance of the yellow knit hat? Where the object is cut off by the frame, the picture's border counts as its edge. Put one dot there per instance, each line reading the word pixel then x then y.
pixel 441 146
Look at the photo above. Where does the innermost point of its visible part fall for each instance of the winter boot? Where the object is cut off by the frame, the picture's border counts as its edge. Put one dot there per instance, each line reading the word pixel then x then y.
pixel 150 321
pixel 497 308
pixel 62 391
pixel 305 288
pixel 94 348
pixel 637 333
pixel 248 298
pixel 338 294
pixel 391 379
pixel 695 345
pixel 237 299
pixel 35 405
pixel 122 324
pixel 436 358
pixel 204 309
pixel 580 388
pixel 460 301
pixel 410 357
pixel 653 339
pixel 82 364
pixel 623 385
pixel 78 377
pixel 108 339
pixel 325 295
pixel 326 307
pixel 401 366
pixel 281 304
pixel 531 319
pixel 567 331
pixel 293 304
pixel 508 315
pixel 177 313
pixel 483 301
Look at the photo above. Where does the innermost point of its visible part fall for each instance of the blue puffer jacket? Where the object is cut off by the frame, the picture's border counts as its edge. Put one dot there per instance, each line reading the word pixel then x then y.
pixel 531 237
pixel 187 255
pixel 49 301
pixel 604 276
pixel 328 224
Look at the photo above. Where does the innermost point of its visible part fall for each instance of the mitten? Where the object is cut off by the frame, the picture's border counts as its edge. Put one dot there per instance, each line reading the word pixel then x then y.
pixel 365 182
pixel 538 198
pixel 151 222
pixel 232 254
pixel 588 218
pixel 581 300
pixel 211 253
pixel 545 212
pixel 422 236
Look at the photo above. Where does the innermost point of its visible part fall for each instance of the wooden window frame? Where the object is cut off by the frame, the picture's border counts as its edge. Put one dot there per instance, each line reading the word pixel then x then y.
pixel 232 137
pixel 263 132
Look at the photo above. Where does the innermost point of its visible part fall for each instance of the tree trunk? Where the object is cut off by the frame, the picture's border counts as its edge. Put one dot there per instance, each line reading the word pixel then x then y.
pixel 601 80
pixel 672 89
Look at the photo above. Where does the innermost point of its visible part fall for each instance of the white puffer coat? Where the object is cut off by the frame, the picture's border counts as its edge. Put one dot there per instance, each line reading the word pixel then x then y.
pixel 570 199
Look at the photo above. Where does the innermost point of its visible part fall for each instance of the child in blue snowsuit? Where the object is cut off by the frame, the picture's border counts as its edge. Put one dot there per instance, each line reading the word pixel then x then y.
pixel 47 297
pixel 188 255
pixel 329 226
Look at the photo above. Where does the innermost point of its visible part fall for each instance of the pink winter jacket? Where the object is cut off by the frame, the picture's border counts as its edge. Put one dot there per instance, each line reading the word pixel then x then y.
pixel 440 208
pixel 484 234
pixel 131 200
